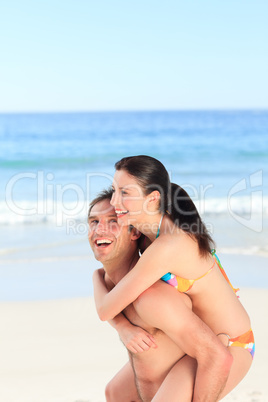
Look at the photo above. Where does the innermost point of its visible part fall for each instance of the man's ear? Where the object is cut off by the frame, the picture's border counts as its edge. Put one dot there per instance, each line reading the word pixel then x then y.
pixel 135 234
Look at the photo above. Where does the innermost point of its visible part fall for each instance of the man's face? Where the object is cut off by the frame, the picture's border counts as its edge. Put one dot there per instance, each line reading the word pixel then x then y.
pixel 107 239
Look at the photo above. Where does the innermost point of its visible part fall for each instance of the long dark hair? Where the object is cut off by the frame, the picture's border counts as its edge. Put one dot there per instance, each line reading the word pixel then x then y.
pixel 152 175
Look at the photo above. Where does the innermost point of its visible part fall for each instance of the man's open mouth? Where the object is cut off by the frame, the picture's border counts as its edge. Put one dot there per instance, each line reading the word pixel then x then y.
pixel 103 242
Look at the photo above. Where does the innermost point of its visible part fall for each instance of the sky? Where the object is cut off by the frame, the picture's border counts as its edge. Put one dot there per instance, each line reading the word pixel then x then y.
pixel 85 55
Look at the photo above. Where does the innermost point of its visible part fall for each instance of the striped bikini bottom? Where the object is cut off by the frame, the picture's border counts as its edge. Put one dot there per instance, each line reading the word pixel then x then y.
pixel 245 341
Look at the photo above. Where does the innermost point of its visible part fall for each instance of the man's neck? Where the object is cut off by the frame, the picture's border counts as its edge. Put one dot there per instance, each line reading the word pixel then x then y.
pixel 116 270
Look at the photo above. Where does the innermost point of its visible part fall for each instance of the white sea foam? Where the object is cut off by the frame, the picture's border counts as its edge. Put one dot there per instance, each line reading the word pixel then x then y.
pixel 254 250
pixel 52 212
pixel 237 230
pixel 243 206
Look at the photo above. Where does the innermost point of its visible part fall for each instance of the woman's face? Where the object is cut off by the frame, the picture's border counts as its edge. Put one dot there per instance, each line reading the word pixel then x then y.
pixel 128 198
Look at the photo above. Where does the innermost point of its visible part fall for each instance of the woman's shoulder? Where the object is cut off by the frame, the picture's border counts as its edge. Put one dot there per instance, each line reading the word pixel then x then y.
pixel 177 240
pixel 181 251
pixel 171 247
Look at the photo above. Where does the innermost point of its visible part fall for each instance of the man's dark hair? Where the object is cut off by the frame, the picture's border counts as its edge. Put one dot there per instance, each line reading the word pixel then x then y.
pixel 103 195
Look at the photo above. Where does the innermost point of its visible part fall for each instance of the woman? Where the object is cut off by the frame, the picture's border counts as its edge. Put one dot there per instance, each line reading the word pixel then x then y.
pixel 165 214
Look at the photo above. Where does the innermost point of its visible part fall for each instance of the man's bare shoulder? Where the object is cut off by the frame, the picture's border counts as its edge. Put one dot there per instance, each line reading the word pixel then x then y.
pixel 101 271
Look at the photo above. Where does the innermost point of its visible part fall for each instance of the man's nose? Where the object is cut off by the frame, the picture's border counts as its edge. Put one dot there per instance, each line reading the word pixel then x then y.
pixel 102 227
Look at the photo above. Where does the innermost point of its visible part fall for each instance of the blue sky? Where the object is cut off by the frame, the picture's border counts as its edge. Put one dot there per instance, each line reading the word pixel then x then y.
pixel 133 55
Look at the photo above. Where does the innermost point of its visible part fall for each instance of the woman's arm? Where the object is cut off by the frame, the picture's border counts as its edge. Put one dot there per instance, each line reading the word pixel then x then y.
pixel 150 267
pixel 153 264
pixel 135 339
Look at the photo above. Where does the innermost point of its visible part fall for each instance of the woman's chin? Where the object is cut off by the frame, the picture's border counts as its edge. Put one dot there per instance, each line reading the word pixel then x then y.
pixel 123 220
pixel 126 220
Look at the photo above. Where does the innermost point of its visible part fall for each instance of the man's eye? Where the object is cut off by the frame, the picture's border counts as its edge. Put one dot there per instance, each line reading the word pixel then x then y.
pixel 95 221
pixel 123 192
pixel 114 220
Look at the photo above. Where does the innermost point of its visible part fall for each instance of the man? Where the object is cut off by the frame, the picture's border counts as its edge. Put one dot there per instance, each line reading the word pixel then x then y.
pixel 165 373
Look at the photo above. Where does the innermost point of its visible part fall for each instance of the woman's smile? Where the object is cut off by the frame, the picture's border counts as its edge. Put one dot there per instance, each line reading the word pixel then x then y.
pixel 128 198
pixel 120 213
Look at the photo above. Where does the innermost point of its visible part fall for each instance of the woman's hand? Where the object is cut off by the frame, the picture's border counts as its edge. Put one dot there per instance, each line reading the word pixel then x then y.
pixel 136 339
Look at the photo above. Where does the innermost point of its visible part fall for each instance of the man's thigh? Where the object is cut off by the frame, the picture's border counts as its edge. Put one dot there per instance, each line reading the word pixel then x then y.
pixel 179 382
pixel 150 373
pixel 122 387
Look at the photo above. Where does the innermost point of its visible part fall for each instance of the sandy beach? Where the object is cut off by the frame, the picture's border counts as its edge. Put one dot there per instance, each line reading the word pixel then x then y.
pixel 59 351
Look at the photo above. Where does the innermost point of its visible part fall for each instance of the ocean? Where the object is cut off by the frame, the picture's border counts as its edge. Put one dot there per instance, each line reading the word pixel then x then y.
pixel 53 164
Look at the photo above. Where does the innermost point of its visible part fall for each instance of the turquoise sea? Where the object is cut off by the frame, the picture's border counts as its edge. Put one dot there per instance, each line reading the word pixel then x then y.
pixel 52 165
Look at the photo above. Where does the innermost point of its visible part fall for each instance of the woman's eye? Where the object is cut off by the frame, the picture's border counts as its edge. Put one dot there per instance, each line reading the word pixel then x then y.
pixel 123 192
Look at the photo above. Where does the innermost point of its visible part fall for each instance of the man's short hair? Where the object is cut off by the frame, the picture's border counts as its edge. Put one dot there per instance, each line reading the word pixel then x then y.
pixel 103 195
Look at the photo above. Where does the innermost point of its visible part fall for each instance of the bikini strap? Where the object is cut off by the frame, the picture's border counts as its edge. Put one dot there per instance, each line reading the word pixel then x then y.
pixel 210 269
pixel 159 226
pixel 213 252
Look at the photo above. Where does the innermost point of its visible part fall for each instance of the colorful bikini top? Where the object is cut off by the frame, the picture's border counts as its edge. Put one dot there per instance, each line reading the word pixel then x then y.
pixel 184 285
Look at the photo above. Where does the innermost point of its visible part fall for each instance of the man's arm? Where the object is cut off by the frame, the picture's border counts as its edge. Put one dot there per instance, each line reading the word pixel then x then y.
pixel 135 339
pixel 163 307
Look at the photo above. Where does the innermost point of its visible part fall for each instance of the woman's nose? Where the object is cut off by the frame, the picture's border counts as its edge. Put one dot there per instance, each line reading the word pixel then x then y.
pixel 113 199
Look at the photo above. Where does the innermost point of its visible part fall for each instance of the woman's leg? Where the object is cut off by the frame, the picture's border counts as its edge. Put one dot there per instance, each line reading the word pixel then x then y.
pixel 122 387
pixel 179 383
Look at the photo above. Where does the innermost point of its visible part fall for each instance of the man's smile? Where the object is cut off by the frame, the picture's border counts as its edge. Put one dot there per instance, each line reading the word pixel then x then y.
pixel 103 242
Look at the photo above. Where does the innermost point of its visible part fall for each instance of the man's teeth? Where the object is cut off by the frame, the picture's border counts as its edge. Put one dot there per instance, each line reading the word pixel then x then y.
pixel 104 241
